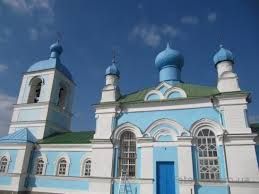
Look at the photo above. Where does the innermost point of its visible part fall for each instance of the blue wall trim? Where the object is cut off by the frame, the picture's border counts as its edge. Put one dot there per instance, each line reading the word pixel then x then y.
pixel 222 165
pixel 147 118
pixel 55 183
pixel 5 180
pixel 135 188
pixel 210 189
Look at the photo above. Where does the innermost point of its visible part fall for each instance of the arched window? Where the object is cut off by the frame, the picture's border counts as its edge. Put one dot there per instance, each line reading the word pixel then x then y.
pixel 3 164
pixel 62 167
pixel 207 155
pixel 127 159
pixel 35 90
pixel 87 168
pixel 40 167
pixel 62 97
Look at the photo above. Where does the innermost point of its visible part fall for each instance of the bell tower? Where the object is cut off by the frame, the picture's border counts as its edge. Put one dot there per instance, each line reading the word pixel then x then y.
pixel 44 104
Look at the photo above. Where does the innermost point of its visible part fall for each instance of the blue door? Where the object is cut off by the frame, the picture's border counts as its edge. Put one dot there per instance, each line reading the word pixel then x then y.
pixel 165 178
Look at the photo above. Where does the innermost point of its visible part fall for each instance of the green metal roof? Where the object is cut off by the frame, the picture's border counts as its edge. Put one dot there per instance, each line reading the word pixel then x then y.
pixel 191 91
pixel 69 138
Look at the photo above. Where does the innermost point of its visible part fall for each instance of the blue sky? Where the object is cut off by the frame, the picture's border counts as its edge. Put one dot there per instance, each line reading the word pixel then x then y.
pixel 138 30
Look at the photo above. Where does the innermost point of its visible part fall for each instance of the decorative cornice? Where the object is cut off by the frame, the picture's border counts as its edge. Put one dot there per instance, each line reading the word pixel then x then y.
pixel 26 105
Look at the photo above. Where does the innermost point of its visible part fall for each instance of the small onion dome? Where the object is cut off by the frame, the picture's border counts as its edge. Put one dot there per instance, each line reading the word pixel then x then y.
pixel 112 70
pixel 223 55
pixel 169 57
pixel 56 50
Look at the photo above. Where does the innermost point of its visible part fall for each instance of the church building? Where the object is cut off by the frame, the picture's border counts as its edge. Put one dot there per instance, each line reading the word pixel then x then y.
pixel 170 138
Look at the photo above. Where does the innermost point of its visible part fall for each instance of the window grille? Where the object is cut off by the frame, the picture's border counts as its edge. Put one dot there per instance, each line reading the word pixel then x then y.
pixel 62 167
pixel 207 154
pixel 127 160
pixel 87 168
pixel 40 166
pixel 3 165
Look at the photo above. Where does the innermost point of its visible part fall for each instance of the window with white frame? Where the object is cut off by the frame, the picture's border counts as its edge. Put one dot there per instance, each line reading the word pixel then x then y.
pixel 207 155
pixel 62 167
pixel 128 156
pixel 40 166
pixel 3 164
pixel 87 168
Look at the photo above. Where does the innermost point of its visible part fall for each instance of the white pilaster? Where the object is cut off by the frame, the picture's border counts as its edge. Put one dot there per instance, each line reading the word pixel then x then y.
pixel 185 165
pixel 242 164
pixel 146 160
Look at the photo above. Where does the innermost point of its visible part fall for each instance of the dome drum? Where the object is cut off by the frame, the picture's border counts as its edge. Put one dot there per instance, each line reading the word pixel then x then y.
pixel 170 73
pixel 169 62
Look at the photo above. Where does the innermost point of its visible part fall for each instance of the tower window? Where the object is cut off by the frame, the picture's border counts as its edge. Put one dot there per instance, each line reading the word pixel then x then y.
pixel 207 155
pixel 3 165
pixel 35 91
pixel 127 160
pixel 62 167
pixel 62 97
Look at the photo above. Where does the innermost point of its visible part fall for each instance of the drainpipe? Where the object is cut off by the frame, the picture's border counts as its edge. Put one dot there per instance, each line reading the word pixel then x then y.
pixel 114 155
pixel 113 161
pixel 223 143
pixel 225 158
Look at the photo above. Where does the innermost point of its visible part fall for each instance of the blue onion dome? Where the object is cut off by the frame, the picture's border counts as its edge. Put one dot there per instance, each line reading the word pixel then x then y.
pixel 112 70
pixel 56 50
pixel 169 57
pixel 223 55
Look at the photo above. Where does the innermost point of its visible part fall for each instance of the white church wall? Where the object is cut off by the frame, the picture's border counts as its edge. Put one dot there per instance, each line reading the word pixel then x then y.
pixel 185 165
pixel 242 162
pixel 241 188
pixel 46 76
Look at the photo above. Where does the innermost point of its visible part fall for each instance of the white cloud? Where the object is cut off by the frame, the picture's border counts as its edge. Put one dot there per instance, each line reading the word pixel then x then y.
pixel 42 12
pixel 3 68
pixel 149 34
pixel 171 31
pixel 6 107
pixel 152 35
pixel 190 20
pixel 42 8
pixel 212 17
pixel 28 6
